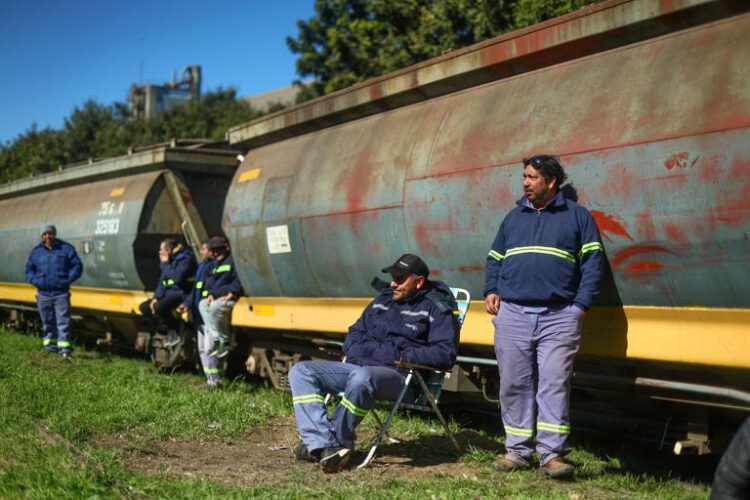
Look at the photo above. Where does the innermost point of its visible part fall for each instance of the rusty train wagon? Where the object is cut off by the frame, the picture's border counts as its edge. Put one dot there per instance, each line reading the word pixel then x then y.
pixel 114 212
pixel 648 105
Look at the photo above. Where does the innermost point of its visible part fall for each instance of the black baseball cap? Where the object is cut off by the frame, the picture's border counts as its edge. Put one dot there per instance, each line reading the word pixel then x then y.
pixel 407 264
pixel 217 242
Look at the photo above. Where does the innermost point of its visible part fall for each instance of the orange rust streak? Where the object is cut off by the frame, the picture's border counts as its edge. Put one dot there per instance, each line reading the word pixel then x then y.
pixel 677 160
pixel 674 232
pixel 350 211
pixel 607 223
pixel 467 269
pixel 626 253
pixel 638 268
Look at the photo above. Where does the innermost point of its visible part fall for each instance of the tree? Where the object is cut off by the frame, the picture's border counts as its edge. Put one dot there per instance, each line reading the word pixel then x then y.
pixel 36 151
pixel 350 41
pixel 98 131
pixel 528 12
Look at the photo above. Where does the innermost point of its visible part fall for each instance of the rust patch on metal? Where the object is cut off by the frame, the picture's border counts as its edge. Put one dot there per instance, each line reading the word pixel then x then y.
pixel 680 160
pixel 621 256
pixel 608 224
pixel 639 268
pixel 674 232
pixel 645 226
pixel 187 198
pixel 376 91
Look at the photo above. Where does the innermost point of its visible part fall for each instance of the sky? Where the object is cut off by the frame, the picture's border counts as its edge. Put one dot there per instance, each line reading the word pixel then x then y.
pixel 57 54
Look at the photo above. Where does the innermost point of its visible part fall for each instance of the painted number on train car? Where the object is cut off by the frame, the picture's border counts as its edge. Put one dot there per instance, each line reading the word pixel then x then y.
pixel 278 239
pixel 111 208
pixel 107 224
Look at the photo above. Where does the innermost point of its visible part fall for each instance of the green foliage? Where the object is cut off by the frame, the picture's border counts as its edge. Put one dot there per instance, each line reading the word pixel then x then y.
pixel 350 41
pixel 528 12
pixel 98 131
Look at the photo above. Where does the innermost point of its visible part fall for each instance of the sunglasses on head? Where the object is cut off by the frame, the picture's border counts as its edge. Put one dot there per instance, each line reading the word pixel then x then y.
pixel 534 160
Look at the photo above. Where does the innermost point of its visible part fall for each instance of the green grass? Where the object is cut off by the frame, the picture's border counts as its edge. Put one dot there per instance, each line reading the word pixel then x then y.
pixel 52 412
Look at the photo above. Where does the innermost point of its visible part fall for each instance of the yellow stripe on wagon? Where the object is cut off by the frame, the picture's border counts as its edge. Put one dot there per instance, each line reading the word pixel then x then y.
pixel 96 299
pixel 702 336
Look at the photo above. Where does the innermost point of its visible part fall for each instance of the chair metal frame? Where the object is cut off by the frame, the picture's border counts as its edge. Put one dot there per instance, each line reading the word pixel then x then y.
pixel 430 392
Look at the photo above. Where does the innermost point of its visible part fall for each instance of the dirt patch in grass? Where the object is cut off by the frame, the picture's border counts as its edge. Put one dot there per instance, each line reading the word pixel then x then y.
pixel 263 455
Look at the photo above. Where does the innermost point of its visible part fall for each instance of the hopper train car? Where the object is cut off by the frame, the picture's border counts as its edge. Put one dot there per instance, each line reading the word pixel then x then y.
pixel 115 212
pixel 646 102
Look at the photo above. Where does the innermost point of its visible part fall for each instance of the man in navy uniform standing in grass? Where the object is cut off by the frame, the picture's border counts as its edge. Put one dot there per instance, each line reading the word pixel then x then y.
pixel 546 264
pixel 52 266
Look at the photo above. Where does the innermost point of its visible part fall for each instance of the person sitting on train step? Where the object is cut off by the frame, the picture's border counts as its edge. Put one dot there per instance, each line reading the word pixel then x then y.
pixel 221 289
pixel 211 364
pixel 177 274
pixel 411 320
pixel 52 266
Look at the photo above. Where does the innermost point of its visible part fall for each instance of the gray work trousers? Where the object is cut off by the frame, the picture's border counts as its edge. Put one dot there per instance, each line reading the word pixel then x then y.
pixel 535 354
pixel 216 318
pixel 211 364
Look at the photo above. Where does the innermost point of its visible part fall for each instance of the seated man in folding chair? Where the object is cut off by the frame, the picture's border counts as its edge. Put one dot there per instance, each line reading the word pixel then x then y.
pixel 411 321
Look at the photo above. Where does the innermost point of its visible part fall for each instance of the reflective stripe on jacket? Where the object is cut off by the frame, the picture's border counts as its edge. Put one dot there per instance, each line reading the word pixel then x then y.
pixel 221 278
pixel 195 295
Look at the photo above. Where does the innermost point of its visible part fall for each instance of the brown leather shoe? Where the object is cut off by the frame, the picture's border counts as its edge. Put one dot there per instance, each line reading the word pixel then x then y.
pixel 557 468
pixel 507 465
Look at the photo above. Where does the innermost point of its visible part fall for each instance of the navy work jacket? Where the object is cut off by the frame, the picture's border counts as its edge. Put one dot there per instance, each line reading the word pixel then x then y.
pixel 422 330
pixel 221 278
pixel 548 257
pixel 177 274
pixel 196 294
pixel 52 271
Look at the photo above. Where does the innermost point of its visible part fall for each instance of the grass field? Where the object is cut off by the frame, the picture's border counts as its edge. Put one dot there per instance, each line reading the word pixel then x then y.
pixel 106 426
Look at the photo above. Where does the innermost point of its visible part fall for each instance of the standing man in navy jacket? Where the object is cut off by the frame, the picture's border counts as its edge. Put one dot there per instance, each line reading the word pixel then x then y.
pixel 546 264
pixel 221 289
pixel 411 320
pixel 52 266
pixel 177 276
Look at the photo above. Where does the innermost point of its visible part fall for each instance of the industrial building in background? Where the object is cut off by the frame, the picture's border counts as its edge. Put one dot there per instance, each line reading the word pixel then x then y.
pixel 147 101
pixel 273 100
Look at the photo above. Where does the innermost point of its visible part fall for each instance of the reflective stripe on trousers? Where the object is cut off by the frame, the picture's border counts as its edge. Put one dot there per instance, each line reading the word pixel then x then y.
pixel 55 313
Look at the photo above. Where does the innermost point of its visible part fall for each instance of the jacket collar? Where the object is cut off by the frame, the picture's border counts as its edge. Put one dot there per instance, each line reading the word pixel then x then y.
pixel 557 202
pixel 180 254
pixel 419 295
pixel 57 244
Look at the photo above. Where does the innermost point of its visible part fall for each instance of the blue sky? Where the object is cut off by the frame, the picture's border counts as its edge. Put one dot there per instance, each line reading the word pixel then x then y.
pixel 54 55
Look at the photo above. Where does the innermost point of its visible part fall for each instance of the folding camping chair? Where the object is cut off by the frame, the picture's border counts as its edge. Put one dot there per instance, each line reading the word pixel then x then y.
pixel 430 386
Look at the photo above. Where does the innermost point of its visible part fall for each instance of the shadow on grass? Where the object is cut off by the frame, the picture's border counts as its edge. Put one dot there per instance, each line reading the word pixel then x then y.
pixel 627 457
pixel 427 451
pixel 600 452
